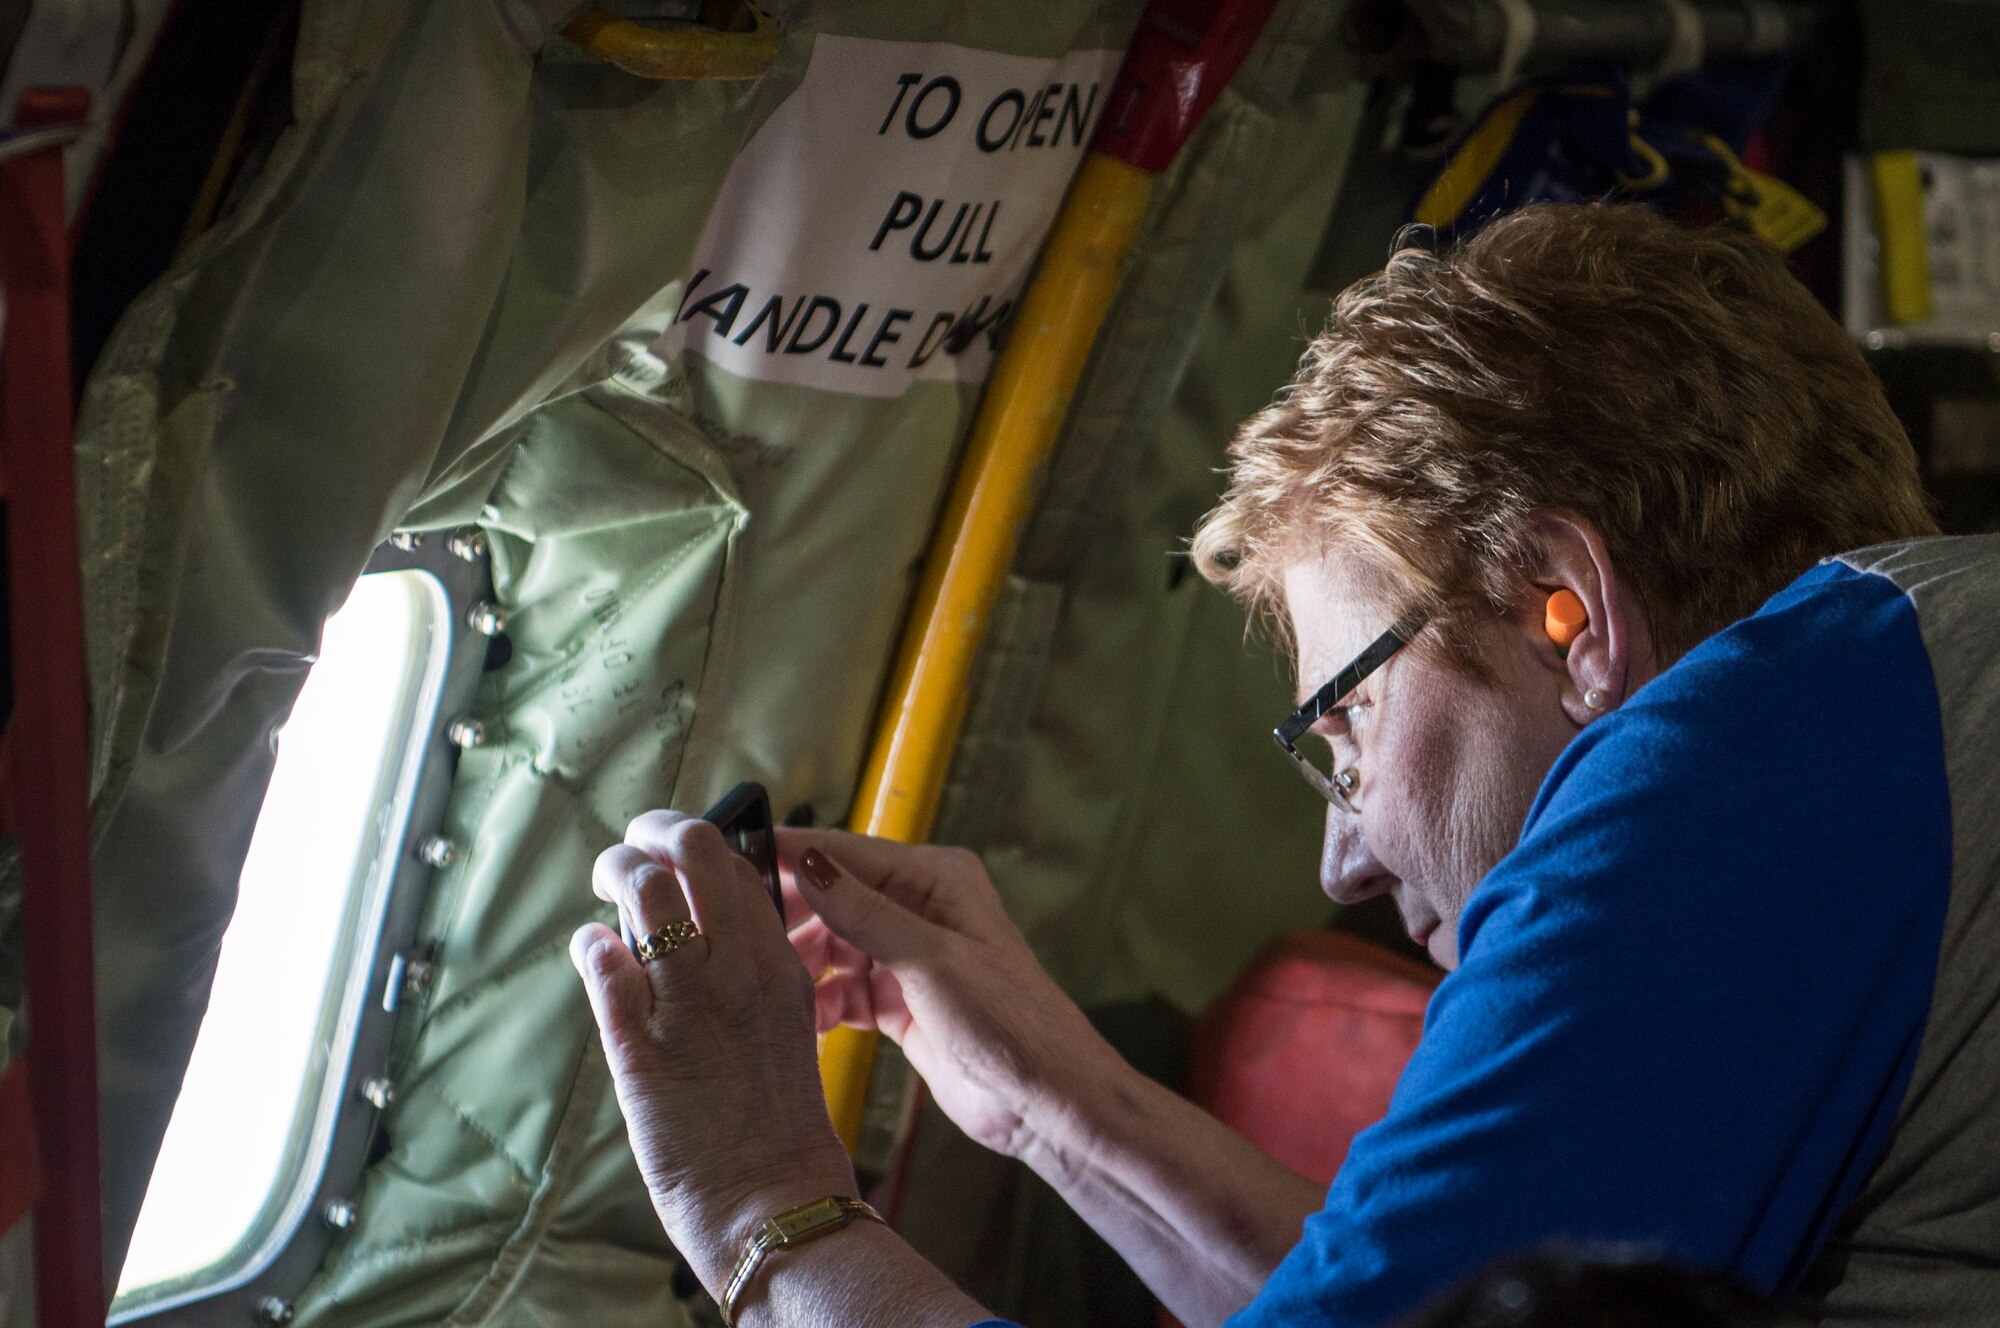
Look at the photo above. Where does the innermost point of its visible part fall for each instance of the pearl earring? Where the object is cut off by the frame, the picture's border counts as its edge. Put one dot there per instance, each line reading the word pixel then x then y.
pixel 1594 698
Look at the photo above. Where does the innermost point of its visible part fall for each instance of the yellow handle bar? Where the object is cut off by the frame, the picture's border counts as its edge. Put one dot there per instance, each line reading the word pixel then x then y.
pixel 1019 417
pixel 678 53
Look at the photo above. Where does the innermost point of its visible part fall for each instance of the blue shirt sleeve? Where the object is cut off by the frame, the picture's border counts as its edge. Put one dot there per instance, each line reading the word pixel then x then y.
pixel 1690 999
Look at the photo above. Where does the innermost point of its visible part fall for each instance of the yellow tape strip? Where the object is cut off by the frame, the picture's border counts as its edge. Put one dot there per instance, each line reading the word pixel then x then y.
pixel 1458 184
pixel 1905 261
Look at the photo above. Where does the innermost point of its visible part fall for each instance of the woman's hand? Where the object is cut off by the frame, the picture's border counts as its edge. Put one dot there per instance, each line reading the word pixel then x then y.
pixel 711 1046
pixel 911 940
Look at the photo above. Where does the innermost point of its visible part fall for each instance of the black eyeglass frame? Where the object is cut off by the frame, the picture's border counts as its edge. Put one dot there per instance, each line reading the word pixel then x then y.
pixel 1309 713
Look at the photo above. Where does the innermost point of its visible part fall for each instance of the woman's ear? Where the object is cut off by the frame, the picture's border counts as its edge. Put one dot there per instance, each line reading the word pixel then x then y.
pixel 1595 645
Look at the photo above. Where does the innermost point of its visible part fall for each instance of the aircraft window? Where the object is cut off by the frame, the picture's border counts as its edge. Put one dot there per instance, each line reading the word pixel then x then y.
pixel 251 1131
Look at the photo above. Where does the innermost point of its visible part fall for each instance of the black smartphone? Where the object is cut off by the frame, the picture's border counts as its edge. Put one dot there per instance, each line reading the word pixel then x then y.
pixel 744 817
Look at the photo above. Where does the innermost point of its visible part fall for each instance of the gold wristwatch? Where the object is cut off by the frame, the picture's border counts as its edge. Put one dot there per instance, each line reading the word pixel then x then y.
pixel 822 1217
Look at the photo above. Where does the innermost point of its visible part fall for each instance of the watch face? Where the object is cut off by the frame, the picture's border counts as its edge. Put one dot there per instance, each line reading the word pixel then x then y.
pixel 821 1213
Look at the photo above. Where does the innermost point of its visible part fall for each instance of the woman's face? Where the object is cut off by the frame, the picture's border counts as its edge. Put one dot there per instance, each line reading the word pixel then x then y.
pixel 1447 766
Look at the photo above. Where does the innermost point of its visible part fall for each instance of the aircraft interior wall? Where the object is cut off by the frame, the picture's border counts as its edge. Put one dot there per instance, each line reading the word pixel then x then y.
pixel 680 372
pixel 457 293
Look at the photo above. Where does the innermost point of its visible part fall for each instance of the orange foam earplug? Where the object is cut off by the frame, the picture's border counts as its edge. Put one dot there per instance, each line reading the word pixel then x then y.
pixel 1564 619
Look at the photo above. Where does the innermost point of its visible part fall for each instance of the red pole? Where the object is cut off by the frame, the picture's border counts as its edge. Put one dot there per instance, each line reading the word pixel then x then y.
pixel 50 727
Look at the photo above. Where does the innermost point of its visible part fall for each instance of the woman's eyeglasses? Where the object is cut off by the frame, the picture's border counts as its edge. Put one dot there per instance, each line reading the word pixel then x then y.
pixel 1338 786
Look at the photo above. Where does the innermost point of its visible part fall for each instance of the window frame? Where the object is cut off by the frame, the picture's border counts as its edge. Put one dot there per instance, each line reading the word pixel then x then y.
pixel 358 1079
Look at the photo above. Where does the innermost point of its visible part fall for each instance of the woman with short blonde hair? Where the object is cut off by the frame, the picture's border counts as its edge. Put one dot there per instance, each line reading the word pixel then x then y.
pixel 1632 670
pixel 1678 389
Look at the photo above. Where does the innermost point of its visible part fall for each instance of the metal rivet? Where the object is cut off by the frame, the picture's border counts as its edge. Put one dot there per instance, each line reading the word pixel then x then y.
pixel 1876 339
pixel 274 1309
pixel 377 1092
pixel 469 543
pixel 437 850
pixel 407 540
pixel 487 618
pixel 277 732
pixel 465 732
pixel 339 1214
pixel 417 976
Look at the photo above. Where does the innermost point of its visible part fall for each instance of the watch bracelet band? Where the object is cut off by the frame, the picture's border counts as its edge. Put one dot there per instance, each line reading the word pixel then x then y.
pixel 796 1226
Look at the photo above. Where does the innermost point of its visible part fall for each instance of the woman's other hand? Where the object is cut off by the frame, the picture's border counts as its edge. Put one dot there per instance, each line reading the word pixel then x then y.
pixel 711 1045
pixel 911 940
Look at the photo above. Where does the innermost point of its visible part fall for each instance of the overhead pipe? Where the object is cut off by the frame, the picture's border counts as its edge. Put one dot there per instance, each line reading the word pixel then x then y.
pixel 1487 36
pixel 1183 54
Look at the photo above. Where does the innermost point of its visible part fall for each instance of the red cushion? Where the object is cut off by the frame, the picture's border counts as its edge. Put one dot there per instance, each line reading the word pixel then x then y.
pixel 1302 1053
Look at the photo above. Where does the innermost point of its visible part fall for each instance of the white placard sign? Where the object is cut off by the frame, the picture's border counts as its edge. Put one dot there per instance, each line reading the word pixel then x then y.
pixel 877 228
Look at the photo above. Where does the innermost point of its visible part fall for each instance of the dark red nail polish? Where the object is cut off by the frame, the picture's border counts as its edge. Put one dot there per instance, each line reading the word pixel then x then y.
pixel 817 870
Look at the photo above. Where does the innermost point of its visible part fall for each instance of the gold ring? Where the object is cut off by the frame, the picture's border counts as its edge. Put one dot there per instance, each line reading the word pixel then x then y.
pixel 664 941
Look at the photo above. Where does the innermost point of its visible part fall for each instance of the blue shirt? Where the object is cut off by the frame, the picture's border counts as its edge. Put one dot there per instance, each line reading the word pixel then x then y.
pixel 1689 1001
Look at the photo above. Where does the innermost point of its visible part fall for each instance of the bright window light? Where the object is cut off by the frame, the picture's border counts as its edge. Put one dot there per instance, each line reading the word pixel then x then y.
pixel 250 1131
